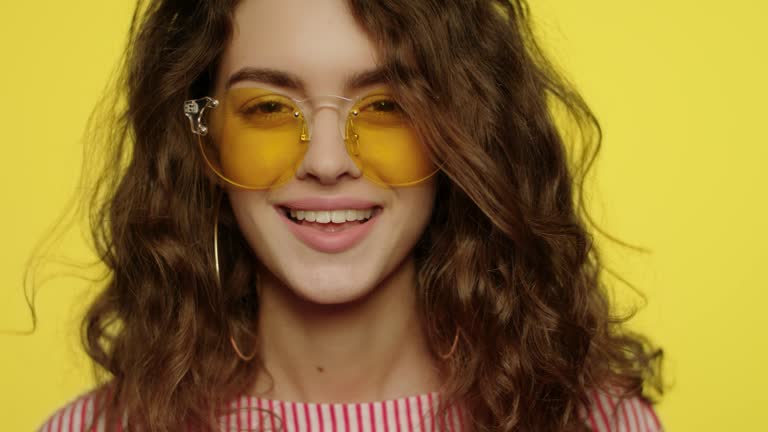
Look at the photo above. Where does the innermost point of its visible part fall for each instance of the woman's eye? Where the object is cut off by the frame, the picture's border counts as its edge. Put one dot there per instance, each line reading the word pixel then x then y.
pixel 268 107
pixel 384 105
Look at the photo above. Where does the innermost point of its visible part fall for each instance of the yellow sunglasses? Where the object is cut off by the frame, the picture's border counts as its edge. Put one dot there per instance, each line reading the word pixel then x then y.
pixel 257 138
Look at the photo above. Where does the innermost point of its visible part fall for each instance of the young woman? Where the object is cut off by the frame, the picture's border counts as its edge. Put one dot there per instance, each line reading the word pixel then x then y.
pixel 355 215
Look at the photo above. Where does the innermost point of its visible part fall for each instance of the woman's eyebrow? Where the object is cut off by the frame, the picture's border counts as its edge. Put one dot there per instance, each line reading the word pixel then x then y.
pixel 267 76
pixel 287 80
pixel 360 80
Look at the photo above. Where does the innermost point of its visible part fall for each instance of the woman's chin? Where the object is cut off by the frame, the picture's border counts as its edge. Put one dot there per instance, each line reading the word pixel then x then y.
pixel 331 292
pixel 333 295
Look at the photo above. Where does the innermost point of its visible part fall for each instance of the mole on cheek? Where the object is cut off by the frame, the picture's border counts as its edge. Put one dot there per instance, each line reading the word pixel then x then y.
pixel 320 369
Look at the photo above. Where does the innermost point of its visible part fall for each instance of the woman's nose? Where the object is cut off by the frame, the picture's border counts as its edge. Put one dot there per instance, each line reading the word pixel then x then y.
pixel 326 159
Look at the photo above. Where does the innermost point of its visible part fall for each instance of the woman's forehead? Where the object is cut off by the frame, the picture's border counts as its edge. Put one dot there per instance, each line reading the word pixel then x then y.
pixel 317 41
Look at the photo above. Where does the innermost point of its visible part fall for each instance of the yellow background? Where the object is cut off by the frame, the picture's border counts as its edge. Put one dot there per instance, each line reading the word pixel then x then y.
pixel 678 85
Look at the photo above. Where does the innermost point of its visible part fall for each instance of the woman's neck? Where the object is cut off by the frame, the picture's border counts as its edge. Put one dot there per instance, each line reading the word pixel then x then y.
pixel 373 348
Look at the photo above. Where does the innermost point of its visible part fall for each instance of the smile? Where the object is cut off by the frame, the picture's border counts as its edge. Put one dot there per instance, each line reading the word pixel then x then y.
pixel 330 231
pixel 331 216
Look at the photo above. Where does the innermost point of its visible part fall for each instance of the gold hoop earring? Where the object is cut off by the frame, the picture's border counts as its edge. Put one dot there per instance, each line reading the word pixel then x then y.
pixel 453 346
pixel 245 358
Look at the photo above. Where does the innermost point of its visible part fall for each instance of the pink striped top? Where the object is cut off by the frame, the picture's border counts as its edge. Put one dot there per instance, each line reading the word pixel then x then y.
pixel 409 414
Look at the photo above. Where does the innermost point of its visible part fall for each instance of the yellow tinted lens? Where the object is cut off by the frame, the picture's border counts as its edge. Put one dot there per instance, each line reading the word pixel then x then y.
pixel 255 138
pixel 383 144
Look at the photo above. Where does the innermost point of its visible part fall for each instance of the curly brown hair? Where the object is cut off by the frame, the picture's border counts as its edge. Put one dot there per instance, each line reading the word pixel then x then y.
pixel 507 257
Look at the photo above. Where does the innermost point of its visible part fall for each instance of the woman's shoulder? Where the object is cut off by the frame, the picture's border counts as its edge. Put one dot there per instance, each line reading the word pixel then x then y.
pixel 612 413
pixel 81 414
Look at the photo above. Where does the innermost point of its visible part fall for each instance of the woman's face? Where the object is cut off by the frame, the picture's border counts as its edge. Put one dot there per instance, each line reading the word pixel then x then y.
pixel 318 44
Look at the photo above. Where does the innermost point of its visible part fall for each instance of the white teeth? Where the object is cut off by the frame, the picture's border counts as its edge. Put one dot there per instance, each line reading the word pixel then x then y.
pixel 338 216
pixel 323 217
pixel 335 216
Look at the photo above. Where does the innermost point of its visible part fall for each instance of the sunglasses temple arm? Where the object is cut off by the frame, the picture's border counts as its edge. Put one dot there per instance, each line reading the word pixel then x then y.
pixel 194 110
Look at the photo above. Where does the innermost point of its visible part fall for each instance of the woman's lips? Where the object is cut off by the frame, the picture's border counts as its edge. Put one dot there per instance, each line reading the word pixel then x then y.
pixel 329 237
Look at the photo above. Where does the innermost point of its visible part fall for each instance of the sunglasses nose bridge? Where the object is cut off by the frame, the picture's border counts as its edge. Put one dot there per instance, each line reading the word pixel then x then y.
pixel 314 110
pixel 327 156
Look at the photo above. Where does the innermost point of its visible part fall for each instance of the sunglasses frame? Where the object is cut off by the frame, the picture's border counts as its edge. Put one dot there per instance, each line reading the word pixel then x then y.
pixel 194 110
